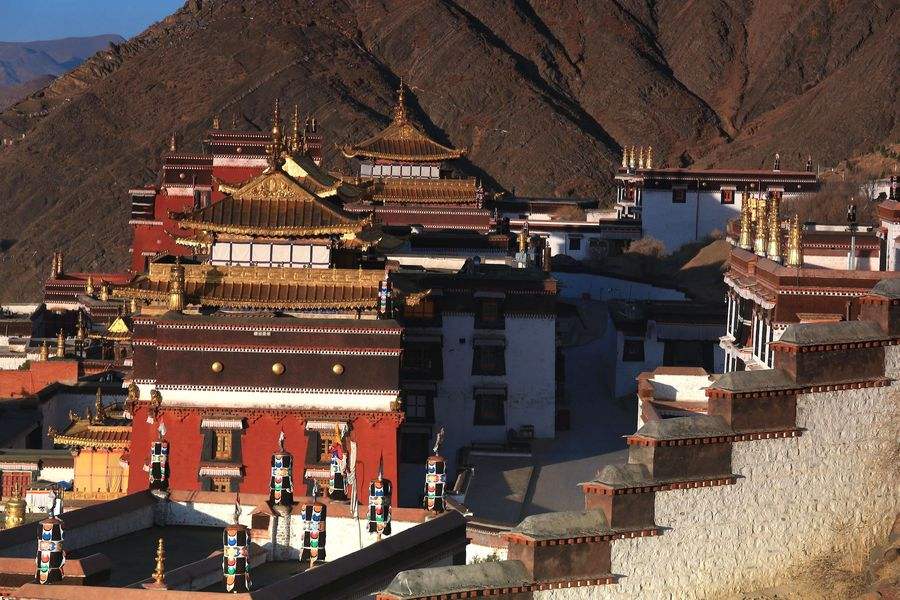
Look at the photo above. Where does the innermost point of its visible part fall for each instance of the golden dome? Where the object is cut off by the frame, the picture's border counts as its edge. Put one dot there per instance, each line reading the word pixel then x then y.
pixel 278 368
pixel 216 367
pixel 337 369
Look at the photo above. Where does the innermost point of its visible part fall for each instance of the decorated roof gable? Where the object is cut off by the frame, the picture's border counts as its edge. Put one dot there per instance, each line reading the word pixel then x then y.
pixel 272 204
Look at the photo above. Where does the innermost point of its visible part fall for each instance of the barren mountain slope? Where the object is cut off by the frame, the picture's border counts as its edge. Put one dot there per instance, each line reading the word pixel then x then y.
pixel 543 98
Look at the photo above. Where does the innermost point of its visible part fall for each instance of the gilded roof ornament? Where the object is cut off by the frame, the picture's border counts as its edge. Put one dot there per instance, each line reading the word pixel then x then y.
pixel 746 237
pixel 215 121
pixel 99 411
pixel 759 242
pixel 649 164
pixel 400 108
pixel 773 250
pixel 294 144
pixel 159 573
pixel 61 344
pixel 89 286
pixel 795 247
pixel 173 145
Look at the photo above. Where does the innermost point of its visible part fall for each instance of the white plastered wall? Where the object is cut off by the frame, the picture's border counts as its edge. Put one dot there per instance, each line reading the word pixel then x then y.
pixel 827 497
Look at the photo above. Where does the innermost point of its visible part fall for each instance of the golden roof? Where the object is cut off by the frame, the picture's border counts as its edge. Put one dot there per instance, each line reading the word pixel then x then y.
pixel 427 191
pixel 262 287
pixel 402 141
pixel 272 204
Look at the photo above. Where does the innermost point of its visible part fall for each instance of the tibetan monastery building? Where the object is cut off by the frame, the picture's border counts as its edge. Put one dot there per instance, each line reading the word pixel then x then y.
pixel 412 180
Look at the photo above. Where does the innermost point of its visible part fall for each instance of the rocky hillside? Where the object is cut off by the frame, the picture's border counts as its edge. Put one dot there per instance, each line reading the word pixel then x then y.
pixel 29 66
pixel 543 98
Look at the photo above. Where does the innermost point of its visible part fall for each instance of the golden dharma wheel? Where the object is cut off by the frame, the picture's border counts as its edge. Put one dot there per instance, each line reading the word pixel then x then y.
pixel 337 369
pixel 216 367
pixel 278 368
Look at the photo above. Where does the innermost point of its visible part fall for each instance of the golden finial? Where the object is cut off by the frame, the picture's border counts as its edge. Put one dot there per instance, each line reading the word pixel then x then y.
pixel 295 131
pixel 400 108
pixel 89 286
pixel 625 157
pixel 80 330
pixel 795 249
pixel 233 121
pixel 641 158
pixel 773 250
pixel 104 291
pixel 176 286
pixel 159 573
pixel 274 149
pixel 215 122
pixel 45 351
pixel 745 241
pixel 133 306
pixel 631 161
pixel 59 264
pixel 61 344
pixel 173 146
pixel 15 509
pixel 649 164
pixel 759 242
pixel 99 411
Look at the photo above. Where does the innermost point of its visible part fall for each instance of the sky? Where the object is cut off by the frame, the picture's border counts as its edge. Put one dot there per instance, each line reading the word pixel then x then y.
pixel 31 20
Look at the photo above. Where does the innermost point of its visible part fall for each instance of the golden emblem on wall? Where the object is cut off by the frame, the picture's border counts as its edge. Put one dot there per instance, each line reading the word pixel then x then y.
pixel 216 367
pixel 278 368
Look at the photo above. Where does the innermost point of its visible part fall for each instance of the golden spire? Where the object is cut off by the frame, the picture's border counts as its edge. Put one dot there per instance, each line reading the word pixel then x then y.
pixel 104 291
pixel 59 264
pixel 176 286
pixel 173 146
pixel 99 411
pixel 45 351
pixel 625 157
pixel 631 160
pixel 80 331
pixel 133 306
pixel 215 122
pixel 159 573
pixel 795 250
pixel 295 131
pixel 759 242
pixel 400 108
pixel 745 241
pixel 773 250
pixel 649 164
pixel 275 147
pixel 89 286
pixel 61 344
pixel 641 158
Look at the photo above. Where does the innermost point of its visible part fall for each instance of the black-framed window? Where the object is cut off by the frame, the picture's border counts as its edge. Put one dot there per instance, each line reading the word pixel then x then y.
pixel 415 446
pixel 418 406
pixel 489 408
pixel 633 351
pixel 222 445
pixel 489 360
pixel 490 314
pixel 422 360
pixel 575 243
pixel 679 196
pixel 219 483
pixel 727 196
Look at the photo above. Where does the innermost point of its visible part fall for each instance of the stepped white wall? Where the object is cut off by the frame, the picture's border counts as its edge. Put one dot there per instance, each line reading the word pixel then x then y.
pixel 829 495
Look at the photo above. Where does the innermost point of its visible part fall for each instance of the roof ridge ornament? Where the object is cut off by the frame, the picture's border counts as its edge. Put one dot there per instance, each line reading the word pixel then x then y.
pixel 400 108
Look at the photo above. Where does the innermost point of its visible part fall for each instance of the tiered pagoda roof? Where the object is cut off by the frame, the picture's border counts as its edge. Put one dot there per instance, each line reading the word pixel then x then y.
pixel 455 192
pixel 106 427
pixel 261 287
pixel 401 141
pixel 274 204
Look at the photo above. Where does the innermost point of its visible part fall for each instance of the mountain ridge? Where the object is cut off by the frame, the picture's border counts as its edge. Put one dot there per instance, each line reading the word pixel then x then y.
pixel 543 99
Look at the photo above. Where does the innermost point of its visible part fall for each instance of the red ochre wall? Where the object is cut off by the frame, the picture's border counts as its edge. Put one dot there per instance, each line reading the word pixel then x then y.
pixel 159 238
pixel 39 375
pixel 260 440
